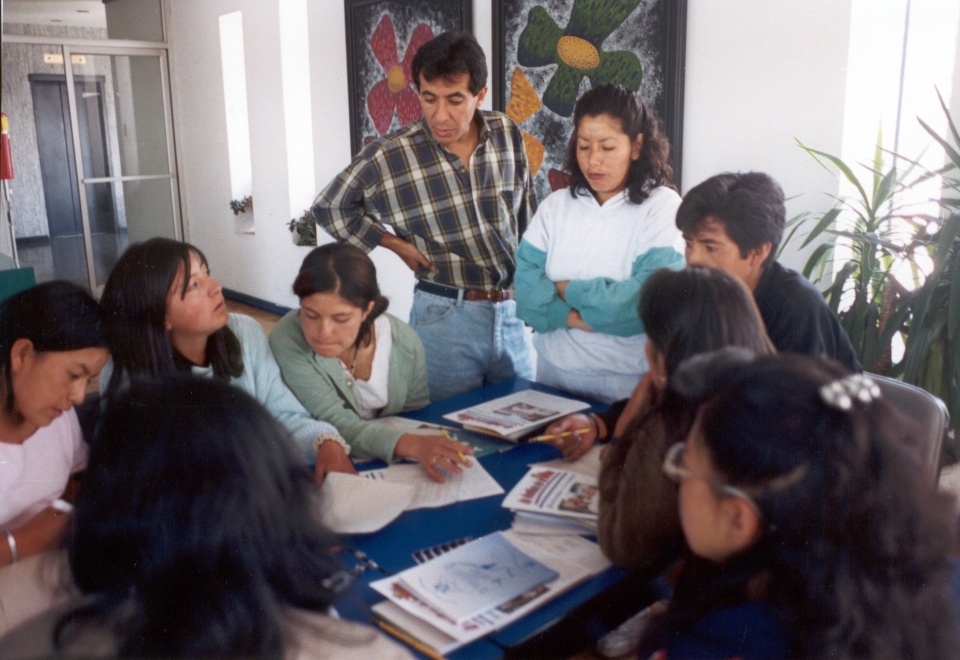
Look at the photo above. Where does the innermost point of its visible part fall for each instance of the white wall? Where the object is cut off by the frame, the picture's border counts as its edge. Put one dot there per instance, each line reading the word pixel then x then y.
pixel 759 74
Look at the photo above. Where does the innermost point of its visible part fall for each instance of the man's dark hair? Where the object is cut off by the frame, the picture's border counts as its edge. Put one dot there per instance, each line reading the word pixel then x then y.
pixel 749 204
pixel 449 55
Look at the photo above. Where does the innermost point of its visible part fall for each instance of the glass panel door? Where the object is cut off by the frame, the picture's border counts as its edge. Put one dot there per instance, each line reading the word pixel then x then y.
pixel 123 150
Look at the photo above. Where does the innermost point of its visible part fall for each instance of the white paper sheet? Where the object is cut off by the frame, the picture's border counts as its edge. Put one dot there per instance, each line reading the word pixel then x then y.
pixel 470 484
pixel 350 504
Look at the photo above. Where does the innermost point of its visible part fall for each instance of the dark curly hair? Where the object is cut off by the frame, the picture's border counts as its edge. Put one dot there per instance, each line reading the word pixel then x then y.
pixel 195 527
pixel 856 542
pixel 347 271
pixel 651 169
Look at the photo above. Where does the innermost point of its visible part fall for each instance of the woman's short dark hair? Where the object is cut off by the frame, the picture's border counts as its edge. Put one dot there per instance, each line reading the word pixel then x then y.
pixel 652 168
pixel 749 204
pixel 697 310
pixel 448 55
pixel 347 271
pixel 856 540
pixel 54 316
pixel 134 303
pixel 195 525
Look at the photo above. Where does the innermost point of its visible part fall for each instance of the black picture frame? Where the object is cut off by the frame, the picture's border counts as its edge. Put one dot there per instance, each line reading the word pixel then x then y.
pixel 655 31
pixel 365 71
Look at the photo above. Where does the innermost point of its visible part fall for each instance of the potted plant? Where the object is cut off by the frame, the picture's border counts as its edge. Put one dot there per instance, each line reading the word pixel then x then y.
pixel 304 229
pixel 900 267
pixel 239 206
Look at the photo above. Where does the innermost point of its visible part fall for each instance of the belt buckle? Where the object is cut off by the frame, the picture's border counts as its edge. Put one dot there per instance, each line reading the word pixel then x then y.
pixel 491 295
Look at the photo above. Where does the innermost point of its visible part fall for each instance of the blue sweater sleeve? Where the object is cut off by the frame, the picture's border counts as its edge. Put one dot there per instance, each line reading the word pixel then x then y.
pixel 538 302
pixel 610 306
pixel 272 392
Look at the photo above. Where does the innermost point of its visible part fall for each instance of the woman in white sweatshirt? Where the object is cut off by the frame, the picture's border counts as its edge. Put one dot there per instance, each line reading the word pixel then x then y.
pixel 589 248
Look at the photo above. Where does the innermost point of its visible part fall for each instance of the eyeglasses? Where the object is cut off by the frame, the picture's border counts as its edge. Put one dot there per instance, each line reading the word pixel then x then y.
pixel 673 467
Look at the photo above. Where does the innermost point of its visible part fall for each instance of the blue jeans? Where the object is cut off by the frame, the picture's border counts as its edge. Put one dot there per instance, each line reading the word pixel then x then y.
pixel 469 344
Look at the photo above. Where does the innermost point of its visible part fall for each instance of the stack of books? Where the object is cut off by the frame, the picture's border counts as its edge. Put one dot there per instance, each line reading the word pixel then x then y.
pixel 549 496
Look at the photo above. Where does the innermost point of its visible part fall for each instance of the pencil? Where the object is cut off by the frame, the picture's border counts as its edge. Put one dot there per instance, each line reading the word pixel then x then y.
pixel 408 639
pixel 446 435
pixel 557 436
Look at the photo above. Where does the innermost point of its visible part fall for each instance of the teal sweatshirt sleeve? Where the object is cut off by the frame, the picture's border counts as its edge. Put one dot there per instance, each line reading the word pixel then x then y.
pixel 610 306
pixel 538 302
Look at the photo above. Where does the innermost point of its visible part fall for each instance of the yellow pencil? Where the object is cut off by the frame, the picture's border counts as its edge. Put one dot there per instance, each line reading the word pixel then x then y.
pixel 412 641
pixel 557 436
pixel 449 437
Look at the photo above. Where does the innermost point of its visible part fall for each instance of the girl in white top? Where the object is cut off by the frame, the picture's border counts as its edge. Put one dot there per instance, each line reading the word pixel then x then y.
pixel 584 258
pixel 52 344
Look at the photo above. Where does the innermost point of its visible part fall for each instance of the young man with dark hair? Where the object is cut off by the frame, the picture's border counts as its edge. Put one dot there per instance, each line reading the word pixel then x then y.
pixel 735 222
pixel 456 188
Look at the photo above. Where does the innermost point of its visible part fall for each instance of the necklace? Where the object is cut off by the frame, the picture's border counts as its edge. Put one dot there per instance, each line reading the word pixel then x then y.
pixel 353 367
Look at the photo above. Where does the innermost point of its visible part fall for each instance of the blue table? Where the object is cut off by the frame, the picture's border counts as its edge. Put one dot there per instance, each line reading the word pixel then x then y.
pixel 587 611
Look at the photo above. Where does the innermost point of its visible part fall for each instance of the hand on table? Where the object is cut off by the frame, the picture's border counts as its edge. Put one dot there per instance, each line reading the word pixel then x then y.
pixel 434 452
pixel 331 457
pixel 577 444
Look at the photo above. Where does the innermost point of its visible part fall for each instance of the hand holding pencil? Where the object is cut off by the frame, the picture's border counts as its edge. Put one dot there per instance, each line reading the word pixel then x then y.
pixel 573 435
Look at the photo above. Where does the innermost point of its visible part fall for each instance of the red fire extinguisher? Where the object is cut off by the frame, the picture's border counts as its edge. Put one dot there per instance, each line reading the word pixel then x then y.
pixel 6 158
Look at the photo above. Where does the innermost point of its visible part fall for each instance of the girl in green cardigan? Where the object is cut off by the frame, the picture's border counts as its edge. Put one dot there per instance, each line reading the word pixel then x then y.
pixel 350 363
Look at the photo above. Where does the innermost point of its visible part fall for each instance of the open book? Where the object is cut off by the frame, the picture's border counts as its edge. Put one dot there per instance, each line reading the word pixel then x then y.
pixel 514 416
pixel 404 614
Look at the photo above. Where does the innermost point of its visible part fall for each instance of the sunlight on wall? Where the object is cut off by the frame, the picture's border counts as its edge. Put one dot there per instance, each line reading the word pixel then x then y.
pixel 901 53
pixel 235 107
pixel 297 111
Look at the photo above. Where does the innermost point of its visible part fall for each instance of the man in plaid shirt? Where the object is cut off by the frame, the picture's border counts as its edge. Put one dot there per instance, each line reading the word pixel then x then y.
pixel 456 188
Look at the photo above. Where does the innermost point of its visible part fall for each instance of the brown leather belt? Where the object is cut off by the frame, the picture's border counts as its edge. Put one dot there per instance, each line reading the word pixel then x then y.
pixel 473 295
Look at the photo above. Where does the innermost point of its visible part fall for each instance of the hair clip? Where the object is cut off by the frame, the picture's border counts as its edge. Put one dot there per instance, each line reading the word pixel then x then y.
pixel 841 394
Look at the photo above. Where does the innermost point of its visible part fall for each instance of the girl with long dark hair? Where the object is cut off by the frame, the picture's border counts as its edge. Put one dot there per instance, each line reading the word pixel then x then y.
pixel 195 536
pixel 165 314
pixel 51 345
pixel 813 529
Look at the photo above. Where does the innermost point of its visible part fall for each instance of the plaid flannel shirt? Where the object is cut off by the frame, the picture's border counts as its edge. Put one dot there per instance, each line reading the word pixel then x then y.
pixel 467 222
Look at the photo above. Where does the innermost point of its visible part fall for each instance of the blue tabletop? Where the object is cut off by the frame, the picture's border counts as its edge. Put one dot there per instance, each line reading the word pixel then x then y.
pixel 392 547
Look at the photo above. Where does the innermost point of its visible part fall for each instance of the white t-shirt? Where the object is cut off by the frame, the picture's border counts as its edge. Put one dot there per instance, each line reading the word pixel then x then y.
pixel 372 395
pixel 33 474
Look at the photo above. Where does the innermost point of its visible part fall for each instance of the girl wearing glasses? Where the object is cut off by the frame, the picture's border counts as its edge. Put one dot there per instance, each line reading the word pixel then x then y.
pixel 813 530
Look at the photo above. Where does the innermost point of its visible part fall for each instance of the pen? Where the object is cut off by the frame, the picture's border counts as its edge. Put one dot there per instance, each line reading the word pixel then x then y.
pixel 412 641
pixel 556 436
pixel 449 437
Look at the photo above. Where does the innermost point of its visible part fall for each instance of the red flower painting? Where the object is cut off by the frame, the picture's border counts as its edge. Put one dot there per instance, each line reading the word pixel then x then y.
pixel 394 93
